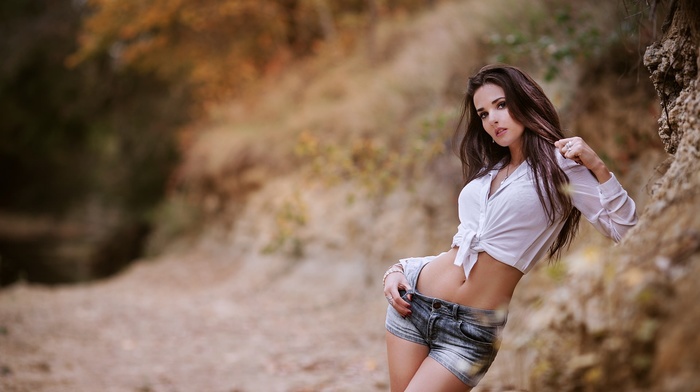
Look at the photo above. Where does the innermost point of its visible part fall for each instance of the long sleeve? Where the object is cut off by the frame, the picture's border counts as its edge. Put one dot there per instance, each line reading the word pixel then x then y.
pixel 607 206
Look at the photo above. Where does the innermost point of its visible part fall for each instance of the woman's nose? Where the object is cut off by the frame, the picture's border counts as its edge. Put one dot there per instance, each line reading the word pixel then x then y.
pixel 493 118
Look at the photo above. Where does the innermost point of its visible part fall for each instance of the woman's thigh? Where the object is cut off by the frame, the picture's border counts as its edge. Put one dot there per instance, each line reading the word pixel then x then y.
pixel 405 358
pixel 432 376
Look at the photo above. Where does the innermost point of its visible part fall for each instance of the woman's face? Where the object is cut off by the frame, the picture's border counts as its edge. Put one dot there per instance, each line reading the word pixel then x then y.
pixel 492 108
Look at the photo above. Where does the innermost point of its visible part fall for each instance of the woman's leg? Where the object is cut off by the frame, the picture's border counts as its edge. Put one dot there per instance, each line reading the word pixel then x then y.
pixel 404 360
pixel 431 376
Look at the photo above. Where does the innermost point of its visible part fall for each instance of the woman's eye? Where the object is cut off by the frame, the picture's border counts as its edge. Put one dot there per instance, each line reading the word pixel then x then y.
pixel 483 115
pixel 501 104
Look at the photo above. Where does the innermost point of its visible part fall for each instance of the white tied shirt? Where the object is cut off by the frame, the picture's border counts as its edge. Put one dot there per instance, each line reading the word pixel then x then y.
pixel 511 225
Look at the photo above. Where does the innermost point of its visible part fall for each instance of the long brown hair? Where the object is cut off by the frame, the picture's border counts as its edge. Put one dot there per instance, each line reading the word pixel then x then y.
pixel 528 105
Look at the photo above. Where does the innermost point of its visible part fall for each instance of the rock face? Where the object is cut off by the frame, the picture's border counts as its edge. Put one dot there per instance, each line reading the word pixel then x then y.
pixel 670 229
pixel 673 62
pixel 648 291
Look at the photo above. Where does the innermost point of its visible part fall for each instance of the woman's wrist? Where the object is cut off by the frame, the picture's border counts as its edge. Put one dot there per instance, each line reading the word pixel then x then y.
pixel 601 173
pixel 393 269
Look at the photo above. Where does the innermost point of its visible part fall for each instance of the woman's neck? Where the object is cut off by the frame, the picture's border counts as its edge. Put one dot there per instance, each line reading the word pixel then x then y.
pixel 516 155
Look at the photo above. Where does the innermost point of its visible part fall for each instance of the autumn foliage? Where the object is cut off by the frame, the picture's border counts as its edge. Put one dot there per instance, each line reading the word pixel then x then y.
pixel 218 46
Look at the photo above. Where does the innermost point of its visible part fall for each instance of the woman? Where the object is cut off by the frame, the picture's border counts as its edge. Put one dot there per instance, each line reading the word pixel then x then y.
pixel 526 188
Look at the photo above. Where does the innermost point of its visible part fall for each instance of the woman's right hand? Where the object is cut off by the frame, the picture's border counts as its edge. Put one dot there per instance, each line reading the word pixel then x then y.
pixel 393 283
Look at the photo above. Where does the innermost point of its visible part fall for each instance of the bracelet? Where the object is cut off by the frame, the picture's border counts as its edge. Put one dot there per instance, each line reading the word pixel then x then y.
pixel 394 268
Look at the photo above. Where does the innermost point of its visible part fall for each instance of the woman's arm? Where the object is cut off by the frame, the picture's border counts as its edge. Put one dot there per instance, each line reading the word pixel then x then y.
pixel 594 189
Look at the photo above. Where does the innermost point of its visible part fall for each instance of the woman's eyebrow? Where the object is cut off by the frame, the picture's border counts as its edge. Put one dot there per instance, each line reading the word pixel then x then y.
pixel 494 101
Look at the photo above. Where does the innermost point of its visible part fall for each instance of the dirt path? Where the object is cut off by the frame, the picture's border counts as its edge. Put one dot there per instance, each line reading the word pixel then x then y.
pixel 197 323
pixel 190 324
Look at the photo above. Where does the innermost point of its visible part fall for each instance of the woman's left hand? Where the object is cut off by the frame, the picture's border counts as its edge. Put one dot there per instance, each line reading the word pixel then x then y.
pixel 579 151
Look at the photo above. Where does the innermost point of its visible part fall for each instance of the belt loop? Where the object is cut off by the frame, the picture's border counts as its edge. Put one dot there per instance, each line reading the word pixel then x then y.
pixel 455 310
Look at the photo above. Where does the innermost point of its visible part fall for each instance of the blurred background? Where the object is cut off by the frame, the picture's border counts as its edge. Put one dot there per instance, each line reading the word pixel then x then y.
pixel 203 195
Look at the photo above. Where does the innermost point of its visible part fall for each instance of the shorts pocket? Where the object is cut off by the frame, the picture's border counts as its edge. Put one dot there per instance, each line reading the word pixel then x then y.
pixel 478 334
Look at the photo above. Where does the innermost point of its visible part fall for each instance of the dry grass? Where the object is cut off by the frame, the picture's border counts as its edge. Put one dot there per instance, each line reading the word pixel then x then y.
pixel 420 68
pixel 338 98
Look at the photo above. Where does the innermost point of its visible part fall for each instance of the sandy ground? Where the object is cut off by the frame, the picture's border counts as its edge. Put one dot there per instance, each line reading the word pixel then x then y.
pixel 187 325
pixel 199 323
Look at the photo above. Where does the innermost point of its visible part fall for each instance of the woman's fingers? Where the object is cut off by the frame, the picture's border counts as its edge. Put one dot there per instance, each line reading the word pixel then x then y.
pixel 568 145
pixel 573 148
pixel 576 149
pixel 391 292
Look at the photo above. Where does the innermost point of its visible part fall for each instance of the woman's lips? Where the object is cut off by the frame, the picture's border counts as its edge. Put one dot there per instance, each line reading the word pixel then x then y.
pixel 500 131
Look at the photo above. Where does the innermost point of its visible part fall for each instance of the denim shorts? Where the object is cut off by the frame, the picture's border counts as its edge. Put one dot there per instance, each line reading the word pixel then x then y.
pixel 464 340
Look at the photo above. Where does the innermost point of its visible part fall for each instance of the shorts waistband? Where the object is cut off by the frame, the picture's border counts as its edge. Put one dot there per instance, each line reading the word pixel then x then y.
pixel 486 317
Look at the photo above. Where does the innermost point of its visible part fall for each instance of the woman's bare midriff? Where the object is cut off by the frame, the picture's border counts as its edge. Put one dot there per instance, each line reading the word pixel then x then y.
pixel 490 285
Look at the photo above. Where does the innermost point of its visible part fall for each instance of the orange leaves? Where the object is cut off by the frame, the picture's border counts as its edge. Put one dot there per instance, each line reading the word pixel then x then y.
pixel 210 44
pixel 215 46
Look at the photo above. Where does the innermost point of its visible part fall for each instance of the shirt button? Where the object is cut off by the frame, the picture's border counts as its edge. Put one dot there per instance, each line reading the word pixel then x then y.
pixel 437 305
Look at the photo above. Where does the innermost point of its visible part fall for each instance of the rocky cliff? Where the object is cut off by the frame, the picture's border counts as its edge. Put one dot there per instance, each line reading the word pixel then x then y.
pixel 638 329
